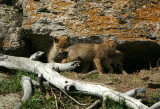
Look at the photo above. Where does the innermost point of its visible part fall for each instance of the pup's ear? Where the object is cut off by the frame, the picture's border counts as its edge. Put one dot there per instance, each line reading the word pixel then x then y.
pixel 118 52
pixel 113 44
pixel 105 39
pixel 55 39
pixel 66 37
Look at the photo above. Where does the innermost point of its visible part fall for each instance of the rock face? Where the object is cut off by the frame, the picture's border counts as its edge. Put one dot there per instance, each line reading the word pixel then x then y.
pixel 30 24
pixel 11 34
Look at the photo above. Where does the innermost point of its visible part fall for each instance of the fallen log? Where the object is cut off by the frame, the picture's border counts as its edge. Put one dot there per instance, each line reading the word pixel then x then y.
pixel 47 70
pixel 26 82
pixel 134 92
pixel 155 106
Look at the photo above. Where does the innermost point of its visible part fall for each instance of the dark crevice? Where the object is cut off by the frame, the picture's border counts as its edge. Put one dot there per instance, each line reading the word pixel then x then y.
pixel 8 2
pixel 39 43
pixel 45 10
pixel 140 55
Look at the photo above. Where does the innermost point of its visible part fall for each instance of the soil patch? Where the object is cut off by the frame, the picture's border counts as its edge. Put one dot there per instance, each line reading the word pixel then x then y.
pixel 8 101
pixel 123 83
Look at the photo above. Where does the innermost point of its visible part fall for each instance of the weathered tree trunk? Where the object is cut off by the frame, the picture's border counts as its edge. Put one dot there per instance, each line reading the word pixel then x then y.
pixel 47 70
pixel 26 82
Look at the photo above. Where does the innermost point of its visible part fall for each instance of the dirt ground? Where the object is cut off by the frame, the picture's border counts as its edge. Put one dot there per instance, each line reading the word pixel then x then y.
pixel 8 101
pixel 125 82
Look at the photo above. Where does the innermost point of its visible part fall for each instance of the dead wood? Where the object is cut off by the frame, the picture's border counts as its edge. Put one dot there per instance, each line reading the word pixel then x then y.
pixel 94 105
pixel 134 92
pixel 47 70
pixel 89 73
pixel 26 82
pixel 155 106
pixel 55 98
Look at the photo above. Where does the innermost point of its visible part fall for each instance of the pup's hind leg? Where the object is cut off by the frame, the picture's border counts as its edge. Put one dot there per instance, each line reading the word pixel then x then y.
pixel 108 66
pixel 85 67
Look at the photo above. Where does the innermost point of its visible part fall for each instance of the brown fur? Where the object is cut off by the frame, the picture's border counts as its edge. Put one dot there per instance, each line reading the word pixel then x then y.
pixel 59 45
pixel 116 59
pixel 91 52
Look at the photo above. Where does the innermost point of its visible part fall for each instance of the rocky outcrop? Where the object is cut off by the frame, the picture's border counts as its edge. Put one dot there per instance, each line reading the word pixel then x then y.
pixel 123 19
pixel 136 23
pixel 11 31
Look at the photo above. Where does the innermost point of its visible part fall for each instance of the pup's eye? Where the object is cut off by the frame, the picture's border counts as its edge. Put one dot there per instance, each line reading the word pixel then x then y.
pixel 59 46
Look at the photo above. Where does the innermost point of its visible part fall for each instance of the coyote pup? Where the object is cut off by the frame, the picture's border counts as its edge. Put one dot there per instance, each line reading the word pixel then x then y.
pixel 116 59
pixel 87 52
pixel 59 45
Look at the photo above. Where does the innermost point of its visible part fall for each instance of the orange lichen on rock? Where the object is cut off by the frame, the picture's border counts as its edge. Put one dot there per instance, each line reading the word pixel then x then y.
pixel 89 18
pixel 148 12
pixel 94 23
pixel 119 4
pixel 32 17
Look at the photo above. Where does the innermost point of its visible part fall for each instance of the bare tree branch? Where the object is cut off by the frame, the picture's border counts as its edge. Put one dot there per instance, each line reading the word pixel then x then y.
pixel 67 85
pixel 55 98
pixel 26 82
pixel 89 73
pixel 155 106
pixel 36 55
pixel 134 92
pixel 94 105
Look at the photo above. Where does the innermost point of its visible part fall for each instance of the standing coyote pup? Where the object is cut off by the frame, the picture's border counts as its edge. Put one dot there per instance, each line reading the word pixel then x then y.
pixel 59 45
pixel 87 52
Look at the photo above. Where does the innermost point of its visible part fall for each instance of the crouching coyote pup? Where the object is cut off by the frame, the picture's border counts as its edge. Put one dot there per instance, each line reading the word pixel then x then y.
pixel 58 47
pixel 116 59
pixel 87 52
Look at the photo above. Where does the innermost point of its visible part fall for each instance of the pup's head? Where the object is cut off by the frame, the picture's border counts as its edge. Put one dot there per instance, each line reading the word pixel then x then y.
pixel 61 43
pixel 118 60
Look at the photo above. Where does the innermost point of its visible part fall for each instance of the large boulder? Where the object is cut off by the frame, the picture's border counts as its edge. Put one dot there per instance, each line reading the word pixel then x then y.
pixel 11 31
pixel 29 25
